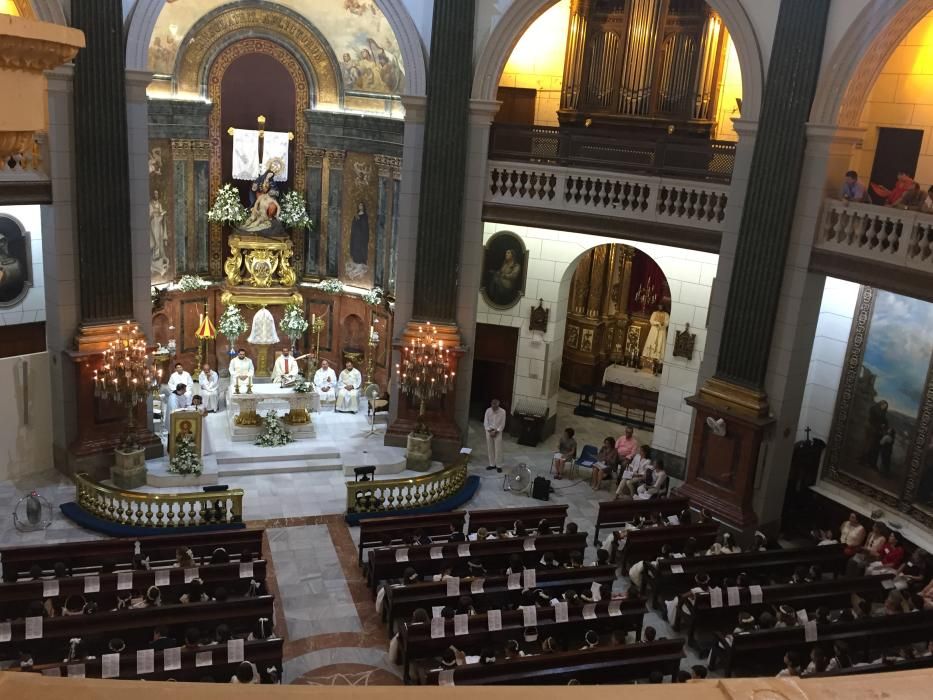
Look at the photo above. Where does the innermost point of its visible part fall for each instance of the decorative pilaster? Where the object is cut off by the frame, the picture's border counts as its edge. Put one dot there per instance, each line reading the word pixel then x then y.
pixel 314 164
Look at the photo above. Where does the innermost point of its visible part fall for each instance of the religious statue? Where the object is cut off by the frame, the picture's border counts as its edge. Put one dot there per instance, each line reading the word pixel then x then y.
pixel 264 210
pixel 158 236
pixel 657 334
pixel 357 265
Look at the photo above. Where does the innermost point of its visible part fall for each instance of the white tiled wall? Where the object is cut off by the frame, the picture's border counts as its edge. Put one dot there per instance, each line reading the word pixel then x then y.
pixel 840 299
pixel 32 307
pixel 552 259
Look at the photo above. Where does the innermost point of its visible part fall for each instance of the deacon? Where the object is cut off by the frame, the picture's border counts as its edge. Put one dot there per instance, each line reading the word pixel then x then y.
pixel 180 376
pixel 348 389
pixel 210 384
pixel 285 367
pixel 179 398
pixel 241 370
pixel 494 423
pixel 324 381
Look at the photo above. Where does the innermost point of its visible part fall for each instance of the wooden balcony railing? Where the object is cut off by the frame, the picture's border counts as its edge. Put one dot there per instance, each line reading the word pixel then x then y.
pixel 390 495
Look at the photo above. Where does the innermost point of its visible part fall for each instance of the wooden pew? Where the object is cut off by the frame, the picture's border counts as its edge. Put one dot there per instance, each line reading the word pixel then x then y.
pixel 492 518
pixel 22 592
pixel 604 664
pixel 373 531
pixel 615 514
pixel 647 543
pixel 905 665
pixel 121 550
pixel 135 626
pixel 402 601
pixel 415 641
pixel 663 583
pixel 834 594
pixel 383 563
pixel 264 653
pixel 763 650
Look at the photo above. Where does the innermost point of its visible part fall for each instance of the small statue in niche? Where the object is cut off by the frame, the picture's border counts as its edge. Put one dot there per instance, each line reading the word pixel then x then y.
pixel 539 317
pixel 683 343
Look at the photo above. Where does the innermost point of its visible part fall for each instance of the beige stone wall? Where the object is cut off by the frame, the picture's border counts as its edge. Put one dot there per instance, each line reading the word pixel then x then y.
pixel 26 444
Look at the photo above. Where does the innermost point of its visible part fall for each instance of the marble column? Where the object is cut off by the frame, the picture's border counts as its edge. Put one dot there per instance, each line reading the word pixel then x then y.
pixel 723 460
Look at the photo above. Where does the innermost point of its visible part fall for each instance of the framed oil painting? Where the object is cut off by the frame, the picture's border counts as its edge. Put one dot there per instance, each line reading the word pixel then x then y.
pixel 504 270
pixel 15 262
pixel 185 425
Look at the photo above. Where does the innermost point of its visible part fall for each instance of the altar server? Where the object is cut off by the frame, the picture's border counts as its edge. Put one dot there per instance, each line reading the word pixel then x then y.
pixel 325 379
pixel 210 384
pixel 179 398
pixel 241 370
pixel 285 366
pixel 180 376
pixel 348 389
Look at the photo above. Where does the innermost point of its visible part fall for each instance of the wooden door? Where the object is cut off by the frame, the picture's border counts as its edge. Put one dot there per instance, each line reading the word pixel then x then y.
pixel 493 367
pixel 898 150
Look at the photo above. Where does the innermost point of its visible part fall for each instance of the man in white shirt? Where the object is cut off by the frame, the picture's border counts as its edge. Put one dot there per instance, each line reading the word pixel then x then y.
pixel 285 367
pixel 241 371
pixel 209 382
pixel 179 398
pixel 494 424
pixel 852 534
pixel 348 389
pixel 179 376
pixel 324 381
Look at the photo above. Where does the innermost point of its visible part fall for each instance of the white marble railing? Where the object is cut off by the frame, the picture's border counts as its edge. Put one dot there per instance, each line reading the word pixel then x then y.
pixel 29 166
pixel 880 234
pixel 664 200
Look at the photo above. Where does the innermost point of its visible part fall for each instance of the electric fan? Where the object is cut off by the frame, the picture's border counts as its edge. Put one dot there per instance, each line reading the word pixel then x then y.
pixel 518 479
pixel 371 392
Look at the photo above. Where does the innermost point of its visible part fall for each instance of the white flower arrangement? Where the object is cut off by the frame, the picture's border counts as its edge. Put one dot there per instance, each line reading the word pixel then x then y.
pixel 373 296
pixel 191 283
pixel 303 386
pixel 227 207
pixel 185 460
pixel 293 212
pixel 273 434
pixel 232 324
pixel 330 286
pixel 293 323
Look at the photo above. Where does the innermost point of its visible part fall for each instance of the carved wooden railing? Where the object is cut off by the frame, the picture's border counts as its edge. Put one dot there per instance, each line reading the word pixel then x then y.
pixel 137 509
pixel 880 234
pixel 390 495
pixel 638 197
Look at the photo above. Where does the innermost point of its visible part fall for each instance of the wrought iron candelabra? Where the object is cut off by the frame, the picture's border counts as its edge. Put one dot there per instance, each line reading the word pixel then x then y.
pixel 646 295
pixel 127 377
pixel 424 372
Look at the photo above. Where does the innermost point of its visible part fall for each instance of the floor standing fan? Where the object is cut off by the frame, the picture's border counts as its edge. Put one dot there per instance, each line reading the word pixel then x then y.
pixel 518 480
pixel 371 392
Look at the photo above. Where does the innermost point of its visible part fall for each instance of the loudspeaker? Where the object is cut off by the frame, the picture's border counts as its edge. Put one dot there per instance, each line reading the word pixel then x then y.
pixel 214 489
pixel 541 488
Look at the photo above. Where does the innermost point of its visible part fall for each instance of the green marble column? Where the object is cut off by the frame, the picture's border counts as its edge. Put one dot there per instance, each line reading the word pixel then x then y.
pixel 771 197
pixel 101 159
pixel 443 170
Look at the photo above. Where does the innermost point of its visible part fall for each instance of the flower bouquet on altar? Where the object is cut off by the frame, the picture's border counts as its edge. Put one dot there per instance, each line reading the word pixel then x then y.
pixel 186 460
pixel 294 213
pixel 232 325
pixel 273 434
pixel 227 207
pixel 302 385
pixel 293 323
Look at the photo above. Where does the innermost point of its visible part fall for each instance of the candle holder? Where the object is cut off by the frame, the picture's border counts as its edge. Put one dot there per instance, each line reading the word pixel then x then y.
pixel 424 372
pixel 373 343
pixel 317 325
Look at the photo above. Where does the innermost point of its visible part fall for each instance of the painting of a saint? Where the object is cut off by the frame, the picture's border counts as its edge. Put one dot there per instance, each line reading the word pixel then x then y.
pixel 15 266
pixel 186 426
pixel 504 270
pixel 358 264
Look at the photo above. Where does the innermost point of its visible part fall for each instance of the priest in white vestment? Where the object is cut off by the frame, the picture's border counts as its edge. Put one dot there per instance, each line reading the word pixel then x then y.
pixel 177 400
pixel 209 381
pixel 285 366
pixel 657 336
pixel 180 376
pixel 241 371
pixel 348 389
pixel 325 381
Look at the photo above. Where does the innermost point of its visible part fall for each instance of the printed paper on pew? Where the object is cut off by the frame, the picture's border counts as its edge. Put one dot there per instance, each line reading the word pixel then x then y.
pixel 234 651
pixel 673 520
pixel 596 592
pixel 145 661
pixel 802 617
pixel 6 631
pixel 589 611
pixel 163 577
pixel 110 666
pixel 437 552
pixel 561 612
pixel 529 544
pixel 436 611
pixel 437 627
pixel 678 555
pixel 477 585
pixel 715 597
pixel 809 631
pixel 615 608
pixel 204 658
pixel 191 574
pixel 124 580
pixel 529 578
pixel 34 627
pixel 463 550
pixel 50 588
pixel 515 582
pixel 756 594
pixel 529 615
pixel 401 554
pixel 171 659
pixel 246 569
pixel 900 584
pixel 76 670
pixel 446 677
pixel 494 620
pixel 92 584
pixel 732 595
pixel 461 625
pixel 677 569
pixel 453 586
pixel 52 672
pixel 466 450
pixel 887 584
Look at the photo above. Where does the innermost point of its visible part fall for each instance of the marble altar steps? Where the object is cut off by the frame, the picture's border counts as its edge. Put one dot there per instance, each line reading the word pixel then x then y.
pixel 313 457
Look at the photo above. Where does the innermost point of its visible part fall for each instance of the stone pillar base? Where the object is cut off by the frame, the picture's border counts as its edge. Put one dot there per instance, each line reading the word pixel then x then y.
pixel 418 457
pixel 129 472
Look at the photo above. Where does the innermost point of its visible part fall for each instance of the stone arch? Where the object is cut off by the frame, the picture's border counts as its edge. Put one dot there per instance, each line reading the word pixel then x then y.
pixel 142 20
pixel 522 13
pixel 857 61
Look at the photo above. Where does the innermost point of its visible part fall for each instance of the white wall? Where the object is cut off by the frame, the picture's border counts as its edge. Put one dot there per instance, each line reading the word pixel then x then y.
pixel 25 448
pixel 840 299
pixel 552 258
pixel 32 307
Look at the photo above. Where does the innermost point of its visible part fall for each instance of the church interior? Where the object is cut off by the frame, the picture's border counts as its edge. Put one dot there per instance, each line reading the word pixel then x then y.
pixel 600 329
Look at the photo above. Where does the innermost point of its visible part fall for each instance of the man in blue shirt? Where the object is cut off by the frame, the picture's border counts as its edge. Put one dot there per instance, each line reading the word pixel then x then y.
pixel 852 189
